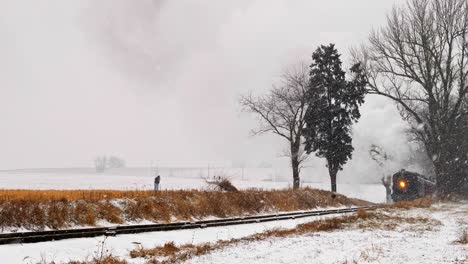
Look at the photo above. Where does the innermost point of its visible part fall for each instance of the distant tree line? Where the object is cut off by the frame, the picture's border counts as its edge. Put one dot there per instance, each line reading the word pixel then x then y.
pixel 102 163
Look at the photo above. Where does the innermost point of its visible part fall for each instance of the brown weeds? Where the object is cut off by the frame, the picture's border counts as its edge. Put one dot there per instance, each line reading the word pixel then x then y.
pixel 35 209
pixel 362 213
pixel 371 254
pixel 390 220
pixel 222 183
pixel 461 260
pixel 166 250
pixel 104 260
pixel 463 239
pixel 425 202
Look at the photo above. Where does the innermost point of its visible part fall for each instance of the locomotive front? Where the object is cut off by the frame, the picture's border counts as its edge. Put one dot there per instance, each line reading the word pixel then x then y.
pixel 405 186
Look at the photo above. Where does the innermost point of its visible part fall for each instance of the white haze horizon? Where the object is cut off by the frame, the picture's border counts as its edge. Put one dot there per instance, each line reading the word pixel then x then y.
pixel 157 82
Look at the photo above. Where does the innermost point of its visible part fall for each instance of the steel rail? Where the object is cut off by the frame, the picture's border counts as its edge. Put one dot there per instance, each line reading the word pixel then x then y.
pixel 43 236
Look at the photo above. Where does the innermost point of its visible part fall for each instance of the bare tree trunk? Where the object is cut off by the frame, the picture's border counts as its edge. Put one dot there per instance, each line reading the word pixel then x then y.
pixel 387 182
pixel 295 165
pixel 449 176
pixel 333 174
pixel 295 168
pixel 441 176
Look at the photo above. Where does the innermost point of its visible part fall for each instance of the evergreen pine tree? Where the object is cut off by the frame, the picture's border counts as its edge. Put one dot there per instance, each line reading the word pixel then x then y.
pixel 333 107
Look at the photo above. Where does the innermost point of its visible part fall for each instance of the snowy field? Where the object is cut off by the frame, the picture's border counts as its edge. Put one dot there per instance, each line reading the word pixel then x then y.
pixel 80 249
pixel 142 179
pixel 405 244
pixel 402 245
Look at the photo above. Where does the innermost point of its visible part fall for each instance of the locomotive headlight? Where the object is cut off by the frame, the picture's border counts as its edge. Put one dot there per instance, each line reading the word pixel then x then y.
pixel 402 184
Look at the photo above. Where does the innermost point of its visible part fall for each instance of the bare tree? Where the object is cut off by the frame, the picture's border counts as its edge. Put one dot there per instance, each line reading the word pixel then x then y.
pixel 420 61
pixel 100 163
pixel 281 112
pixel 379 155
pixel 114 162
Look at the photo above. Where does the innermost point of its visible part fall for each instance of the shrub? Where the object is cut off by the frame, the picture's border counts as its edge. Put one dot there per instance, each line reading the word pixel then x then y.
pixel 222 183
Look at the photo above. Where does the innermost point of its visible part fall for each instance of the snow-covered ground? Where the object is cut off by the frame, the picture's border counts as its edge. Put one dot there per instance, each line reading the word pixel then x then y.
pixel 80 249
pixel 171 179
pixel 406 243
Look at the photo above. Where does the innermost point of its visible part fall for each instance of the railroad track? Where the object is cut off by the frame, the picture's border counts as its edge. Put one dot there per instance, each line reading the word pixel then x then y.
pixel 42 236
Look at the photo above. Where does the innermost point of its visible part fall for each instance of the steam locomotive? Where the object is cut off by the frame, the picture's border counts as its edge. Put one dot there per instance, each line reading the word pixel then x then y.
pixel 409 186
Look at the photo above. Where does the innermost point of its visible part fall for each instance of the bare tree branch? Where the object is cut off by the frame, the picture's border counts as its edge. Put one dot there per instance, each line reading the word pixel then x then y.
pixel 281 111
pixel 420 61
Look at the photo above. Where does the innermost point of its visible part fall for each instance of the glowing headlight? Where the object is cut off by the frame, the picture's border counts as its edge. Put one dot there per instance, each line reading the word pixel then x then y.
pixel 402 184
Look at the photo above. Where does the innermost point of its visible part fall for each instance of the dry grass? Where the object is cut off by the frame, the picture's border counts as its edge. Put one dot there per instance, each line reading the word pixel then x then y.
pixel 104 260
pixel 425 202
pixel 166 250
pixel 362 214
pixel 35 209
pixel 350 262
pixel 463 239
pixel 101 256
pixel 461 260
pixel 391 220
pixel 371 254
pixel 70 195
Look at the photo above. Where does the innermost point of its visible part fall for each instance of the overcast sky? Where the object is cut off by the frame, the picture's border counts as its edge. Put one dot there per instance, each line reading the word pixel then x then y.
pixel 159 80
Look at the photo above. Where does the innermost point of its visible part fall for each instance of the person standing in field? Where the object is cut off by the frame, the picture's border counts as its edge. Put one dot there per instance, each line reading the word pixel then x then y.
pixel 157 181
